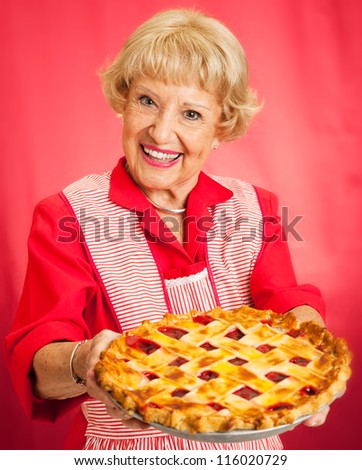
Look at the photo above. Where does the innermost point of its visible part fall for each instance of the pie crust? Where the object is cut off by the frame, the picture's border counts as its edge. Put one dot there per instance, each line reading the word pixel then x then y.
pixel 224 370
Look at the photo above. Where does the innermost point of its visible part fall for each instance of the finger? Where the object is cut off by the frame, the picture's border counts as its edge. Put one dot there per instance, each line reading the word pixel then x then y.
pixel 99 343
pixel 318 418
pixel 96 392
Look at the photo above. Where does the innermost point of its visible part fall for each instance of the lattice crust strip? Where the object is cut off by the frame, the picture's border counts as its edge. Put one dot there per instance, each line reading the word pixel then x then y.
pixel 219 371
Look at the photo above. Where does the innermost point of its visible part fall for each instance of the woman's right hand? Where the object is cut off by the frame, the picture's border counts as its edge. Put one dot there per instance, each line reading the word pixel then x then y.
pixel 100 343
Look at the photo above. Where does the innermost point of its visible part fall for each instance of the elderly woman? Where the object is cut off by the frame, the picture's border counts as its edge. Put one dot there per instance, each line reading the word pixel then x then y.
pixel 154 235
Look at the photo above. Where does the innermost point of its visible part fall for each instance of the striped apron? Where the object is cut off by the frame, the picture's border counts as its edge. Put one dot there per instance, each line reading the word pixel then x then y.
pixel 138 291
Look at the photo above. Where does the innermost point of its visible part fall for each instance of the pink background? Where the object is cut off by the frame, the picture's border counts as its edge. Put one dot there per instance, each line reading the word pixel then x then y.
pixel 305 63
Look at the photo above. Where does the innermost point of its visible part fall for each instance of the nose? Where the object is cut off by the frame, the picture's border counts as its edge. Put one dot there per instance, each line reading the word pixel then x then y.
pixel 164 128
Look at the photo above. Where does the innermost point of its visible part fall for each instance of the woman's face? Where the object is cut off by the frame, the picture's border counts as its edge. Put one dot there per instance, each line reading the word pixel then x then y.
pixel 168 132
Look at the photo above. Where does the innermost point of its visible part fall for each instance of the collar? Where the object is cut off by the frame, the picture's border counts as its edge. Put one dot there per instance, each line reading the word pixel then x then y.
pixel 124 192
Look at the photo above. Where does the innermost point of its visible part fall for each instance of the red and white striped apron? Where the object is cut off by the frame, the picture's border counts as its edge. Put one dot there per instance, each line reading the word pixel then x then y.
pixel 138 291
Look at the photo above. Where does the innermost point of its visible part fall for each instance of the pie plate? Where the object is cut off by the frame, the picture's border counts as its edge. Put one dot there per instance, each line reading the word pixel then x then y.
pixel 241 435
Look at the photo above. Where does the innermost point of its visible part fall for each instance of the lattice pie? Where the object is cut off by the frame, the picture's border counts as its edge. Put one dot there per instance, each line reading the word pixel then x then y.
pixel 221 371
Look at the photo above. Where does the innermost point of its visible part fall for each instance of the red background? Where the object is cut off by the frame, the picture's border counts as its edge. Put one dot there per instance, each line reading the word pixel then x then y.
pixel 56 127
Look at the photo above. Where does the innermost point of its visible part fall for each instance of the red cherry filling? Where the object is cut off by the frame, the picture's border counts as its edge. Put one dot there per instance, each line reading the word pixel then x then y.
pixel 300 361
pixel 235 334
pixel 237 361
pixel 153 405
pixel 216 406
pixel 247 393
pixel 144 345
pixel 208 375
pixel 208 347
pixel 280 406
pixel 266 322
pixel 309 390
pixel 276 376
pixel 264 348
pixel 178 362
pixel 203 319
pixel 150 375
pixel 172 332
pixel 295 333
pixel 179 392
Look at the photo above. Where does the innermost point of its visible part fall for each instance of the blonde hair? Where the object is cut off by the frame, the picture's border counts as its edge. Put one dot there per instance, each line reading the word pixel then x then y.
pixel 182 46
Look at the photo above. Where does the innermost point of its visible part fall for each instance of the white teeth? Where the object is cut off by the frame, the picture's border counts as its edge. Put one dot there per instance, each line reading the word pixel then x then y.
pixel 160 155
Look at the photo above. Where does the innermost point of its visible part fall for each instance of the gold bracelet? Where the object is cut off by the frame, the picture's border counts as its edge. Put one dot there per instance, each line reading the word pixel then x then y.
pixel 75 378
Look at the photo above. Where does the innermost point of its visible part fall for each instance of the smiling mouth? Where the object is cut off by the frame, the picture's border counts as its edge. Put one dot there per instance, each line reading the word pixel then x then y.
pixel 159 156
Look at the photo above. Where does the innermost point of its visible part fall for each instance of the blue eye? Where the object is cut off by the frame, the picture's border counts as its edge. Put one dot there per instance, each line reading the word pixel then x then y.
pixel 192 115
pixel 146 100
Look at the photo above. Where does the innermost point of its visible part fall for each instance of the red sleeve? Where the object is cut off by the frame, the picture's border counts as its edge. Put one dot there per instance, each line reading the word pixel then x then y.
pixel 273 282
pixel 61 300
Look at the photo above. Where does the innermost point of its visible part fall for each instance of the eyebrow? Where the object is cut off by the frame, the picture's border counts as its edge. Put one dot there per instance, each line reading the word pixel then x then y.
pixel 186 103
pixel 140 87
pixel 196 105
